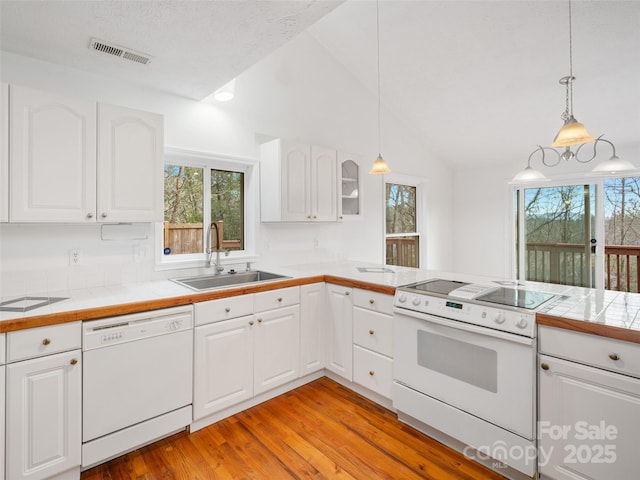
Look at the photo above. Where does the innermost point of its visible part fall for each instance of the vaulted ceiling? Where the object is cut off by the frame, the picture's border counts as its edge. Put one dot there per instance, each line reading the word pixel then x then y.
pixel 477 80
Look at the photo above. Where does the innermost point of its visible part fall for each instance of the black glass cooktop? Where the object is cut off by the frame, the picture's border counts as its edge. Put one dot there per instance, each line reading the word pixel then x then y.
pixel 443 287
pixel 515 297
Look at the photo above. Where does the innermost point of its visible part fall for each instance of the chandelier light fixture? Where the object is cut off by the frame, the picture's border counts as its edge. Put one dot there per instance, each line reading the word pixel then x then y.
pixel 571 134
pixel 379 166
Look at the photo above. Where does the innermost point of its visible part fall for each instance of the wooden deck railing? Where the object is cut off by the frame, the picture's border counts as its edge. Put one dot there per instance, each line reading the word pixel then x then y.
pixel 564 263
pixel 403 251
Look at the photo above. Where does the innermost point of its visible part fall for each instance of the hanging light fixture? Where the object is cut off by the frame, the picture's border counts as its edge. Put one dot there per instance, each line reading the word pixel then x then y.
pixel 572 133
pixel 379 166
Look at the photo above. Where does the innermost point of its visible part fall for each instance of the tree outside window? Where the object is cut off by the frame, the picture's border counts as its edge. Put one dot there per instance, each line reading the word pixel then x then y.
pixel 402 238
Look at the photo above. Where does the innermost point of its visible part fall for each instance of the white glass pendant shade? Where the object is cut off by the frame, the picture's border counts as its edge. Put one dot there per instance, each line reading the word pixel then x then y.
pixel 379 166
pixel 572 133
pixel 614 165
pixel 529 175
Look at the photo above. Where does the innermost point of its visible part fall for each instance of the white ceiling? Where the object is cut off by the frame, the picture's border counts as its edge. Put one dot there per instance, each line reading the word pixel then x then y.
pixel 477 80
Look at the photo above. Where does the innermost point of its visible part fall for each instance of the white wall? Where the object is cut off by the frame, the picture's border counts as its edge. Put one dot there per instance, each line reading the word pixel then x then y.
pixel 298 92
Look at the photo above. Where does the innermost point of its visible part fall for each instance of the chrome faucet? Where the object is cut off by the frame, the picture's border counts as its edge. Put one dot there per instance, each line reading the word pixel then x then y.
pixel 208 264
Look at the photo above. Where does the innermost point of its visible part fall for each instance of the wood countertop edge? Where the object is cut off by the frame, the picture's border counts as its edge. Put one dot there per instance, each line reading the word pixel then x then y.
pixel 195 297
pixel 591 328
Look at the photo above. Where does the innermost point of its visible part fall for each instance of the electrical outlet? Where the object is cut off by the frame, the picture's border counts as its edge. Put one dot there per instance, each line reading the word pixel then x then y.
pixel 75 257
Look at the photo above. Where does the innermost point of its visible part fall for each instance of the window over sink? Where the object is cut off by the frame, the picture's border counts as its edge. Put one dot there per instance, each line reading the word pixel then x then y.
pixel 200 190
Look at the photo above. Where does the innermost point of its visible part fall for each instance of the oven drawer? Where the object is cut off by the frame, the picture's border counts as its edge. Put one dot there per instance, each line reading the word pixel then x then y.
pixel 283 297
pixel 373 371
pixel 601 352
pixel 223 309
pixel 36 342
pixel 375 301
pixel 373 330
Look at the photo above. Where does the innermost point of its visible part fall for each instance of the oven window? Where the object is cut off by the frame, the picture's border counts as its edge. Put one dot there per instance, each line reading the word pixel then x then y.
pixel 463 361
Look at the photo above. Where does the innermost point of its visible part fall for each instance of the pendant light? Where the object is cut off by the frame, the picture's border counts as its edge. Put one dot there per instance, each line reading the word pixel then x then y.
pixel 572 133
pixel 379 166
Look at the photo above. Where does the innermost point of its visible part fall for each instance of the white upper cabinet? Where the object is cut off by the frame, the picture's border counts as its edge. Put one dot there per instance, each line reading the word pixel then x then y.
pixel 4 152
pixel 299 182
pixel 130 152
pixel 73 161
pixel 52 155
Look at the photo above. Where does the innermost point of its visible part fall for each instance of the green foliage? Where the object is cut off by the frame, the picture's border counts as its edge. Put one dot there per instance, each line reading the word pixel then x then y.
pixel 227 195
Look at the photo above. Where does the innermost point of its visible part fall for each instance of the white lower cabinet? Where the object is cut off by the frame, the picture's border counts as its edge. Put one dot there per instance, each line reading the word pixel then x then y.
pixel 44 416
pixel 588 417
pixel 312 331
pixel 44 403
pixel 238 358
pixel 373 341
pixel 339 330
pixel 223 367
pixel 2 403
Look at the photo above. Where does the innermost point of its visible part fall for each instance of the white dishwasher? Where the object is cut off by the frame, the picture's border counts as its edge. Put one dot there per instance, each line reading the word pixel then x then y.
pixel 136 380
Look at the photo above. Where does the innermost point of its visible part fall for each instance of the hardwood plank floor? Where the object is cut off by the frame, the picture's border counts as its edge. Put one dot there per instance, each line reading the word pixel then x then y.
pixel 321 430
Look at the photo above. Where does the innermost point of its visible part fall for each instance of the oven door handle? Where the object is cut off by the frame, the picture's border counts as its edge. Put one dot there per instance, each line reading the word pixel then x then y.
pixel 463 326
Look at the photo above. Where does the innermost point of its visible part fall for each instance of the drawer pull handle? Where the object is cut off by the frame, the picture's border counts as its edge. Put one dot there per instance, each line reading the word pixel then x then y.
pixel 372 301
pixel 280 299
pixel 614 356
pixel 544 366
pixel 250 322
pixel 259 320
pixel 372 373
pixel 371 332
pixel 227 309
pixel 73 361
pixel 46 341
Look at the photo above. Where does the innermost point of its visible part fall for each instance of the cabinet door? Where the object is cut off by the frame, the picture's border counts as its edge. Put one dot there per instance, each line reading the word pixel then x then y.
pixel 276 347
pixel 589 421
pixel 2 417
pixel 4 153
pixel 44 416
pixel 324 184
pixel 52 157
pixel 130 165
pixel 312 335
pixel 296 188
pixel 223 365
pixel 340 330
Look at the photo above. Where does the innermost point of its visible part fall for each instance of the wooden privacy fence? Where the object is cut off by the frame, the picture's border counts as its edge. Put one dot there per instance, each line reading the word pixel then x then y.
pixel 187 238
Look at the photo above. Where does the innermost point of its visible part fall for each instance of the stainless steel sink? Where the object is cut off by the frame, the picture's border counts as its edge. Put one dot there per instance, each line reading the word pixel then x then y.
pixel 210 282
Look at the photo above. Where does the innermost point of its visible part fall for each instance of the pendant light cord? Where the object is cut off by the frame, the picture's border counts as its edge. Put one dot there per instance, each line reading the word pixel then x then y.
pixel 378 54
pixel 570 61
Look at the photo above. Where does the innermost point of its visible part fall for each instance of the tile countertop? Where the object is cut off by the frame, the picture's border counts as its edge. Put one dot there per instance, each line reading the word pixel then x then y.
pixel 606 313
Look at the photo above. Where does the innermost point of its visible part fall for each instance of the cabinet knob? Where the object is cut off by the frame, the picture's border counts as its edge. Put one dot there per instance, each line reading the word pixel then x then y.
pixel 250 322
pixel 347 293
pixel 259 320
pixel 309 217
pixel 103 215
pixel 314 217
pixel 614 356
pixel 544 366
pixel 280 299
pixel 372 301
pixel 227 309
pixel 46 341
pixel 73 361
pixel 372 373
pixel 89 215
pixel 371 332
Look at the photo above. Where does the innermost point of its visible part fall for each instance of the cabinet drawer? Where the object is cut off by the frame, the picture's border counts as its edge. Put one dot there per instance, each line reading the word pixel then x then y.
pixel 378 302
pixel 36 342
pixel 590 350
pixel 283 297
pixel 223 309
pixel 373 330
pixel 373 371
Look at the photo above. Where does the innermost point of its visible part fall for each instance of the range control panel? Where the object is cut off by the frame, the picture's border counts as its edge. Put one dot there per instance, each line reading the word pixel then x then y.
pixel 518 322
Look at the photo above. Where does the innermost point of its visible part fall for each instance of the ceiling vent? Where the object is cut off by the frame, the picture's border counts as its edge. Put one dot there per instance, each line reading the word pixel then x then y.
pixel 118 51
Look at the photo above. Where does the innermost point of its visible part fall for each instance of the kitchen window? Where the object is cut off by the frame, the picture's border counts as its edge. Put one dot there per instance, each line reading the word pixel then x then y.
pixel 200 190
pixel 402 214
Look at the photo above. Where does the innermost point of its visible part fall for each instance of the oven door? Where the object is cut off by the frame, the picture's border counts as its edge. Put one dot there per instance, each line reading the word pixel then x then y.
pixel 484 372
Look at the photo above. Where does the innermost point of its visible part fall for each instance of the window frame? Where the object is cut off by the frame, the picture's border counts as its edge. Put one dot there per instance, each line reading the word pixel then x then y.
pixel 208 161
pixel 419 184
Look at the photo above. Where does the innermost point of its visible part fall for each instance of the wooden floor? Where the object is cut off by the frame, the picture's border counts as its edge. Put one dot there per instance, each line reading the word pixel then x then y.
pixel 320 430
